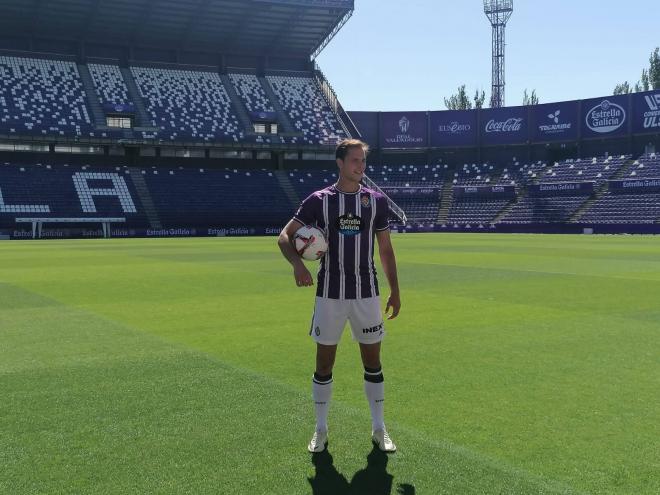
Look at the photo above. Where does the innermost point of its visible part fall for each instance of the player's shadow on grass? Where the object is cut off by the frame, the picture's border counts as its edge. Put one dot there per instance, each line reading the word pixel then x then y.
pixel 372 480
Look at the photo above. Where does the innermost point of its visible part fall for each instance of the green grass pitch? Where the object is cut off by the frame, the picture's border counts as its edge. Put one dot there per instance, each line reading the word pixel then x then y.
pixel 519 364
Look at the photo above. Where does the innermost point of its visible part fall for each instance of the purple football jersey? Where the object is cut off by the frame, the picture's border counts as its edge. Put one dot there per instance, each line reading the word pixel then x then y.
pixel 349 221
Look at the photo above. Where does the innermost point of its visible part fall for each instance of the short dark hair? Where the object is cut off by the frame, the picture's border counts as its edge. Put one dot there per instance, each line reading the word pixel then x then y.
pixel 346 144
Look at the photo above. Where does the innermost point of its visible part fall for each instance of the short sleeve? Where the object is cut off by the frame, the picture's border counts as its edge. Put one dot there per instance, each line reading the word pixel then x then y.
pixel 381 222
pixel 309 211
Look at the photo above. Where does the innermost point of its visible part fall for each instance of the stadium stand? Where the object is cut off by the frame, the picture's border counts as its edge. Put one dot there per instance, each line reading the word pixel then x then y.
pixel 641 206
pixel 188 105
pixel 64 191
pixel 307 109
pixel 43 97
pixel 218 198
pixel 251 93
pixel 109 84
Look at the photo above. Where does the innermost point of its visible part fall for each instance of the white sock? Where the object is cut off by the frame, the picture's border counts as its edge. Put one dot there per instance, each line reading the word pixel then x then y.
pixel 322 393
pixel 374 388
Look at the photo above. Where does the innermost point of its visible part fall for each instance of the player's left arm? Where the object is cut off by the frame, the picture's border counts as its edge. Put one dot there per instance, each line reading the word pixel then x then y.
pixel 387 259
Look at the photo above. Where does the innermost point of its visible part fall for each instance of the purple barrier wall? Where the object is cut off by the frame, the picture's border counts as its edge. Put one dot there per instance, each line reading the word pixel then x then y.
pixel 646 112
pixel 66 233
pixel 561 189
pixel 454 128
pixel 403 130
pixel 555 122
pixel 504 126
pixel 605 117
pixel 534 228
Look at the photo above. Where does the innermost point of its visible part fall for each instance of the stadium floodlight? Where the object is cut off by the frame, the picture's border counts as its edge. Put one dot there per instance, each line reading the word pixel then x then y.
pixel 498 13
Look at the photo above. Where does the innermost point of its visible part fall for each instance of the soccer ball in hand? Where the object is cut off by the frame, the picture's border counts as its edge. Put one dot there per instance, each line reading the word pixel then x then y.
pixel 310 243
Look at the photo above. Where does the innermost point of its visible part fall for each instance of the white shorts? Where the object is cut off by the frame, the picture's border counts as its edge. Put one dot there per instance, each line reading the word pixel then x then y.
pixel 330 317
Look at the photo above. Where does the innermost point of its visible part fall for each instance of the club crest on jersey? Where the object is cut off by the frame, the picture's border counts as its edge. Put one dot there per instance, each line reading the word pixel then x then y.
pixel 349 224
pixel 365 200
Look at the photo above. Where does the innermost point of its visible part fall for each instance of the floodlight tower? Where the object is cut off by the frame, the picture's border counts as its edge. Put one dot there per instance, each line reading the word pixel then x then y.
pixel 498 13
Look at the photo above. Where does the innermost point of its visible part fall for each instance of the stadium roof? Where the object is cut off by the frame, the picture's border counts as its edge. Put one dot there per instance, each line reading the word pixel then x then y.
pixel 255 27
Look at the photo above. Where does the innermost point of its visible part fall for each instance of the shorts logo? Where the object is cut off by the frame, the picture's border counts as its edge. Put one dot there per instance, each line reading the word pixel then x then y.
pixel 349 224
pixel 377 328
pixel 317 331
pixel 365 201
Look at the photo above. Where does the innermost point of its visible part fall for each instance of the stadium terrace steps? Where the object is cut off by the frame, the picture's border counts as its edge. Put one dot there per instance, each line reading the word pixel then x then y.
pixel 145 197
pixel 446 200
pixel 282 117
pixel 508 207
pixel 287 187
pixel 600 191
pixel 237 104
pixel 142 116
pixel 92 97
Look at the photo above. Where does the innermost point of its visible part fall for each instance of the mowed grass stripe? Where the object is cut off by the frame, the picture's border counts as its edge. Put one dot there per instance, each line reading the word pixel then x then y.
pixel 167 420
pixel 549 372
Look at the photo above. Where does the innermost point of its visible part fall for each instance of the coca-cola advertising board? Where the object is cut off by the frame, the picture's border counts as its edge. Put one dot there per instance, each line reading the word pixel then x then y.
pixel 504 126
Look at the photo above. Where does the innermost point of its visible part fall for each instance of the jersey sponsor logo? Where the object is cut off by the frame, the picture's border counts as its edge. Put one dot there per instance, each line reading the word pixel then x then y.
pixel 374 329
pixel 349 224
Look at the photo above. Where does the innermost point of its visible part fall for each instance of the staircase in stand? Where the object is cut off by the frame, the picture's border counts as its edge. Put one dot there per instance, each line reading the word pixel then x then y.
pixel 600 190
pixel 92 97
pixel 446 200
pixel 287 187
pixel 141 115
pixel 145 197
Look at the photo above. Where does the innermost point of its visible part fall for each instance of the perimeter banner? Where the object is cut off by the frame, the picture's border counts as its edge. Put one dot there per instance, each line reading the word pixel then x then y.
pixel 639 186
pixel 403 130
pixel 561 189
pixel 506 125
pixel 646 112
pixel 418 191
pixel 605 117
pixel 454 128
pixel 555 122
pixel 501 191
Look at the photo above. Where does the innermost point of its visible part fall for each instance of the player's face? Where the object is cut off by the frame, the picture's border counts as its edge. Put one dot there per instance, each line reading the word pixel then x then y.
pixel 353 165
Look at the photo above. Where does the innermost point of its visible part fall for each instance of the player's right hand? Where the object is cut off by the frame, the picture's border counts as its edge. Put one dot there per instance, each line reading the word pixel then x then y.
pixel 302 276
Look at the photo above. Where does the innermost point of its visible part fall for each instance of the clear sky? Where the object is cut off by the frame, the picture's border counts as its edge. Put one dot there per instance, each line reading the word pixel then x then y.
pixel 410 54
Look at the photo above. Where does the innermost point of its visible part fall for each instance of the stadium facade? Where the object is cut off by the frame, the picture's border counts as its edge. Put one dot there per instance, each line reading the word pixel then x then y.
pixel 210 117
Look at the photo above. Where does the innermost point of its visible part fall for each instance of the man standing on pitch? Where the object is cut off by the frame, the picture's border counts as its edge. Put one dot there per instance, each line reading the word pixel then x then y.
pixel 351 217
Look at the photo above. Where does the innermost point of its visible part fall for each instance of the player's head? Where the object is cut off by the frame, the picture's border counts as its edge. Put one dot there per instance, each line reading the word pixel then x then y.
pixel 351 156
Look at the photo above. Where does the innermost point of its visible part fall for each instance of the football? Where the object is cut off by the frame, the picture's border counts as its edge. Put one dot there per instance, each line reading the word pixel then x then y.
pixel 310 243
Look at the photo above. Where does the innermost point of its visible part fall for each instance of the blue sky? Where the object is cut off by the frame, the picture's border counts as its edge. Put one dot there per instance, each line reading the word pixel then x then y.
pixel 410 54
